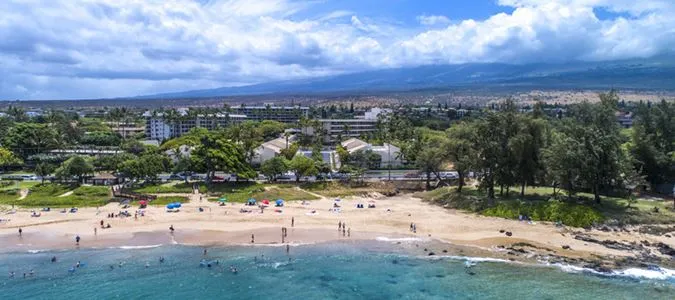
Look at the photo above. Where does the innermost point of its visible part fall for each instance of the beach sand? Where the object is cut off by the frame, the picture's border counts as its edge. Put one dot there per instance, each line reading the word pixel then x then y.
pixel 225 225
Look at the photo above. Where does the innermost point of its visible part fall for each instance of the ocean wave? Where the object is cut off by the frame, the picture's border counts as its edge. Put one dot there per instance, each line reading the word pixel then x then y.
pixel 407 239
pixel 36 251
pixel 139 247
pixel 660 274
pixel 657 274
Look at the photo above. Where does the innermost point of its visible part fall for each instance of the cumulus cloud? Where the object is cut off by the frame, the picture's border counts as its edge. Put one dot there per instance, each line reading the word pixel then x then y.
pixel 111 48
pixel 433 20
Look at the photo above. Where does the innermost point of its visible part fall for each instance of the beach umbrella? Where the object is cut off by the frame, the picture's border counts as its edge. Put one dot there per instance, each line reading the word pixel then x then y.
pixel 169 206
pixel 280 202
pixel 222 199
pixel 251 201
pixel 266 202
pixel 143 202
pixel 177 205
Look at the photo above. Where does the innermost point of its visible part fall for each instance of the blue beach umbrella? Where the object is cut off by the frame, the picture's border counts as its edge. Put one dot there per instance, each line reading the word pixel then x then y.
pixel 280 202
pixel 222 199
pixel 251 201
pixel 169 206
pixel 177 205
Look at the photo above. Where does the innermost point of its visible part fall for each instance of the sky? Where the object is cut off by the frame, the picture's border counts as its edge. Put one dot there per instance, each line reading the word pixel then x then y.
pixel 77 49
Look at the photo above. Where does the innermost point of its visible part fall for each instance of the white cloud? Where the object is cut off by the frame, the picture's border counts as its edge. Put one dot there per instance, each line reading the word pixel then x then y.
pixel 433 20
pixel 110 48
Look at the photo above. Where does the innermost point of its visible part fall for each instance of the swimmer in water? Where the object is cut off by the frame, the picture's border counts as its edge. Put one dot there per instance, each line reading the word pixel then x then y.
pixel 112 267
pixel 147 265
pixel 31 273
pixel 161 259
pixel 119 265
pixel 11 274
pixel 78 264
pixel 53 258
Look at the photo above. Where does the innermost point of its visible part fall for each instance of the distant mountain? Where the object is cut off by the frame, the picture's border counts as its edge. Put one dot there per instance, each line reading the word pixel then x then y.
pixel 649 74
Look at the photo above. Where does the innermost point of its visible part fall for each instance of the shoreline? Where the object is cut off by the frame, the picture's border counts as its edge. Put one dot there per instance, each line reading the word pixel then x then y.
pixel 428 249
pixel 539 243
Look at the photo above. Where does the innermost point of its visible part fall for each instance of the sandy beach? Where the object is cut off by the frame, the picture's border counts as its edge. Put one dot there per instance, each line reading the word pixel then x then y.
pixel 314 222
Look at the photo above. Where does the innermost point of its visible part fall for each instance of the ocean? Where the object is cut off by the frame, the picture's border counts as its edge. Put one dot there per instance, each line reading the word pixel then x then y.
pixel 363 270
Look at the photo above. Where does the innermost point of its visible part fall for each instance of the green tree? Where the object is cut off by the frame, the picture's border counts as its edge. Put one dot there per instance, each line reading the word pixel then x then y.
pixel 290 152
pixel 218 153
pixel 27 139
pixel 113 162
pixel 275 167
pixel 653 142
pixel 8 159
pixel 76 166
pixel 302 166
pixel 430 159
pixel 44 169
pixel 459 150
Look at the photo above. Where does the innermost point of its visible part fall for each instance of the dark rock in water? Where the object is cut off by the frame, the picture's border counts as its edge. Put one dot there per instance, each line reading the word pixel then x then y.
pixel 445 251
pixel 665 249
pixel 502 231
pixel 566 247
pixel 432 253
pixel 508 233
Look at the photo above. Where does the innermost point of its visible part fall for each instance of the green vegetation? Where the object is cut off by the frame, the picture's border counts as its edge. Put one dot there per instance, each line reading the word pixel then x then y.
pixel 170 187
pixel 540 204
pixel 242 192
pixel 50 195
pixel 337 189
pixel 164 200
pixel 17 185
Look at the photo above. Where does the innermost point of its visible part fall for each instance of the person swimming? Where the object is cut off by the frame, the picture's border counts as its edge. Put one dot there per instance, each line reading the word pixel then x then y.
pixel 53 258
pixel 77 265
pixel 147 265
pixel 112 267
pixel 161 259
pixel 11 274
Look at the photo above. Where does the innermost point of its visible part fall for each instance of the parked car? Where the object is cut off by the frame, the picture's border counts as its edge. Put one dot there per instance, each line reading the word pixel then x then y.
pixel 176 177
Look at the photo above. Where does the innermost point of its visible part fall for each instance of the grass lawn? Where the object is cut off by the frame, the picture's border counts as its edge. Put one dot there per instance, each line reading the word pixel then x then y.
pixel 162 201
pixel 536 204
pixel 336 189
pixel 11 185
pixel 47 195
pixel 165 188
pixel 242 192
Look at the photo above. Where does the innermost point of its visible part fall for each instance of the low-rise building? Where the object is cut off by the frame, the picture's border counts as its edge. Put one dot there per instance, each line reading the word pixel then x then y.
pixel 390 155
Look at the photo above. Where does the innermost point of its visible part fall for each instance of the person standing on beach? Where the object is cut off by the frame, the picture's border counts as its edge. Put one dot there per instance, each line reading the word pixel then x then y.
pixel 344 231
pixel 171 228
pixel 292 221
pixel 77 240
pixel 252 238
pixel 95 231
pixel 20 231
pixel 288 249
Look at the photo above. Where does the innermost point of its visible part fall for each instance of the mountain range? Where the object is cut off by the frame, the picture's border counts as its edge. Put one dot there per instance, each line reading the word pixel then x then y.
pixel 657 73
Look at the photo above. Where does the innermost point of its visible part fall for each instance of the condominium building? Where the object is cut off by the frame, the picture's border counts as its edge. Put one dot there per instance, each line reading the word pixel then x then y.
pixel 284 114
pixel 335 130
pixel 160 128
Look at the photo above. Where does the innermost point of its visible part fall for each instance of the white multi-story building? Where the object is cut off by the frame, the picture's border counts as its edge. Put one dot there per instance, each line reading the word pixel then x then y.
pixel 284 114
pixel 158 127
pixel 335 130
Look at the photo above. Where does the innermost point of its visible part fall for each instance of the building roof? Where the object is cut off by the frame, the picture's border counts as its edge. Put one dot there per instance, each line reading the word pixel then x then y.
pixel 277 144
pixel 353 144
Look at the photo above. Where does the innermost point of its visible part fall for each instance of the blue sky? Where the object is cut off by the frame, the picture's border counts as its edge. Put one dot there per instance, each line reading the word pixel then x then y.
pixel 71 49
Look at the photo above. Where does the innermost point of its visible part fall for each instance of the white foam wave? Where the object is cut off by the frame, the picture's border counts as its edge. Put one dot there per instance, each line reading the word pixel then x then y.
pixel 140 247
pixel 36 251
pixel 407 239
pixel 660 273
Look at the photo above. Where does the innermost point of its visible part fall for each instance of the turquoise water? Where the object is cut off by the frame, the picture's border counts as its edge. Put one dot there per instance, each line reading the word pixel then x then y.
pixel 327 271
